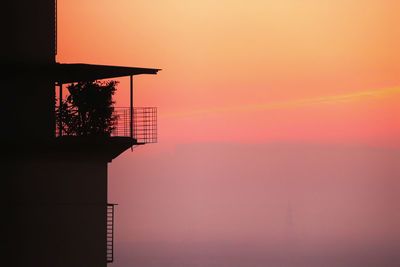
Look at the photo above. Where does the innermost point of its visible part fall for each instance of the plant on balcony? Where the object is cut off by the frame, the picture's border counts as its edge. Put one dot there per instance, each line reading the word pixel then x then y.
pixel 89 109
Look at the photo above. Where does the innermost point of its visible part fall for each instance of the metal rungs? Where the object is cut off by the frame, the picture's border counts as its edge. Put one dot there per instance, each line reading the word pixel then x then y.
pixel 110 233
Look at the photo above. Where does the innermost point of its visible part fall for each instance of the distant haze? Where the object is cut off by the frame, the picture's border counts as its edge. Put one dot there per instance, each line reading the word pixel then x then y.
pixel 266 198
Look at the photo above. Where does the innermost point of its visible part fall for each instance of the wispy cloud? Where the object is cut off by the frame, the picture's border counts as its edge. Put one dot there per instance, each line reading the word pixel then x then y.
pixel 331 99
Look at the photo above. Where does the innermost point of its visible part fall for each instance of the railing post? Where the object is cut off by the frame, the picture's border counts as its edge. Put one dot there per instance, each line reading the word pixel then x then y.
pixel 55 27
pixel 131 107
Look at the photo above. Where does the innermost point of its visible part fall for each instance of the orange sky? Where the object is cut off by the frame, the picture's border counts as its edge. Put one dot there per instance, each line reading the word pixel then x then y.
pixel 252 93
pixel 223 61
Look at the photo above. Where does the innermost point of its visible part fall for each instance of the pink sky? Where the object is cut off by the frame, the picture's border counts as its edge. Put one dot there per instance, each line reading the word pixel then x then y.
pixel 261 104
pixel 237 56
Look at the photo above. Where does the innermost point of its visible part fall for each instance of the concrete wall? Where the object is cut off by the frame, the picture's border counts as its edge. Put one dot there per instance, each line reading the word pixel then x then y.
pixel 58 213
pixel 28 29
pixel 27 111
pixel 28 42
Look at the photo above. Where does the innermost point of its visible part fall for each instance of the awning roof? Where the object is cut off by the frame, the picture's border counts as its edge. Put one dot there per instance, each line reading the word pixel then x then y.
pixel 76 72
pixel 68 73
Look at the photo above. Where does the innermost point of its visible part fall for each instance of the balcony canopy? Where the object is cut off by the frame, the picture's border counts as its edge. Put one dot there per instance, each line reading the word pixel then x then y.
pixel 77 72
pixel 68 73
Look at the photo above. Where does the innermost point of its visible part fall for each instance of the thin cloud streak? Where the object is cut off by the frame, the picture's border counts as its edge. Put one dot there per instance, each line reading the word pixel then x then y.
pixel 333 99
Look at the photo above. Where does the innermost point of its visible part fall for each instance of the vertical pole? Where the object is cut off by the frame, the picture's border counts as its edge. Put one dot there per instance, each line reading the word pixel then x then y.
pixel 59 109
pixel 55 28
pixel 131 107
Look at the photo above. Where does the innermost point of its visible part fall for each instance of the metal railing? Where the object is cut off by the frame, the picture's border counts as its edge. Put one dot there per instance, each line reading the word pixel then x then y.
pixel 139 123
pixel 110 233
pixel 144 124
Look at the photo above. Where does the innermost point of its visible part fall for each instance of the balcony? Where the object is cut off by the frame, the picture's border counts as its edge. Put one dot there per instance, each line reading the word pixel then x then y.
pixel 138 123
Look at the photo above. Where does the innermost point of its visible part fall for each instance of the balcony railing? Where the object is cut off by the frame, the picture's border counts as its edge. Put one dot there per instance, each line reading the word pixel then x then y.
pixel 143 127
pixel 139 123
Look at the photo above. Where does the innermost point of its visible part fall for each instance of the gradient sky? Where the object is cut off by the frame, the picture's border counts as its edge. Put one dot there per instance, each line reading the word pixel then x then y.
pixel 237 70
pixel 268 110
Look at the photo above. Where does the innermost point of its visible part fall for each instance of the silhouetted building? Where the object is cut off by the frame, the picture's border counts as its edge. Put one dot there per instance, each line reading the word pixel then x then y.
pixel 57 213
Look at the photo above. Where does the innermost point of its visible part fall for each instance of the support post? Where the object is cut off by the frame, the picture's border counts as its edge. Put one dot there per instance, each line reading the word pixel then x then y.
pixel 131 107
pixel 59 109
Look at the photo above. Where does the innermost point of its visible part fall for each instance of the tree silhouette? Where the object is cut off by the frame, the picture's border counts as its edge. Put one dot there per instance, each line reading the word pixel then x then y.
pixel 88 109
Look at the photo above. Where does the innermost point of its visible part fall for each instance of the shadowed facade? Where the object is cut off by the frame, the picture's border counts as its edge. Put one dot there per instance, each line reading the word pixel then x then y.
pixel 55 185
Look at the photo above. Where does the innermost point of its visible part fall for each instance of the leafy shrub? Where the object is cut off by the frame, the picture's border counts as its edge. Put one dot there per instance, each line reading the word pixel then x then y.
pixel 88 109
